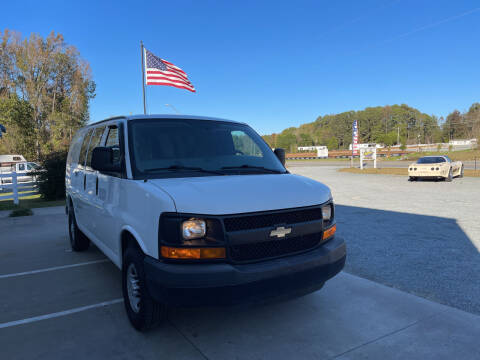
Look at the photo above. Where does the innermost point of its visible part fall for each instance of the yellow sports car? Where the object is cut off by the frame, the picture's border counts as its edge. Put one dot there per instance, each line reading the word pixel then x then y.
pixel 435 167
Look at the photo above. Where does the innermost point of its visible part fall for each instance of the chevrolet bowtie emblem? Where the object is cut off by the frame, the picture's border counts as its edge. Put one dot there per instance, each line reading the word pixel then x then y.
pixel 280 232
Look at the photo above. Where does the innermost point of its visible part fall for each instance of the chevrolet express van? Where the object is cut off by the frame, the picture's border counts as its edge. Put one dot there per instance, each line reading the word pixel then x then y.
pixel 197 211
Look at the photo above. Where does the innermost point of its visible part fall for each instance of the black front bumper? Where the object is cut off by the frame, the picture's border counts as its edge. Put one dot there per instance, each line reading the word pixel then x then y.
pixel 230 284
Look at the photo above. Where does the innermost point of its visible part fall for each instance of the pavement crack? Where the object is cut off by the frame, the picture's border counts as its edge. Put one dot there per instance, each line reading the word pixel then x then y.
pixel 187 339
pixel 389 334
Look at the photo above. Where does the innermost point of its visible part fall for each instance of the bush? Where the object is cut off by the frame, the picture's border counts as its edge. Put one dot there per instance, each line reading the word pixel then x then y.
pixel 21 211
pixel 51 179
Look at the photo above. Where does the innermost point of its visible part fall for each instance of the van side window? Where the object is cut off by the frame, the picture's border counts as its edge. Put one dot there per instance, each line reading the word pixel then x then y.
pixel 74 152
pixel 112 142
pixel 96 138
pixel 21 167
pixel 83 149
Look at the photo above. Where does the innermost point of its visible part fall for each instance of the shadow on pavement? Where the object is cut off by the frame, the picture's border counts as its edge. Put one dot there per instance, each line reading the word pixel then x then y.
pixel 426 255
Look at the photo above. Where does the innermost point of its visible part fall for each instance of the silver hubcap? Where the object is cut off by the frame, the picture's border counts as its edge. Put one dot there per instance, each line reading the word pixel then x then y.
pixel 133 288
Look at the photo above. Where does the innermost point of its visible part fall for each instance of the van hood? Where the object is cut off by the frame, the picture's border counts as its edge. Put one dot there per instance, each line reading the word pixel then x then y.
pixel 233 194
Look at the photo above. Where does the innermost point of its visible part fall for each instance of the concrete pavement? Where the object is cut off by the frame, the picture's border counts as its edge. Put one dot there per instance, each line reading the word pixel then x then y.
pixel 350 318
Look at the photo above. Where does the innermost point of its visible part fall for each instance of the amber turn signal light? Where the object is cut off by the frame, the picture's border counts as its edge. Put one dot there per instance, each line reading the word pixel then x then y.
pixel 329 232
pixel 192 253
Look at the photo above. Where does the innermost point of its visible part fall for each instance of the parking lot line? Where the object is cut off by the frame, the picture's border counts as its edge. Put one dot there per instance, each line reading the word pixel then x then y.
pixel 58 314
pixel 52 268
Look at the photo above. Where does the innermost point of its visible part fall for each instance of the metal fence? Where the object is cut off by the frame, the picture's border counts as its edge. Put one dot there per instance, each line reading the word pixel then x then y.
pixel 14 190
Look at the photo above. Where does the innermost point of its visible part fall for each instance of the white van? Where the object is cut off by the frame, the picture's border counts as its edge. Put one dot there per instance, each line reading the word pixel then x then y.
pixel 197 211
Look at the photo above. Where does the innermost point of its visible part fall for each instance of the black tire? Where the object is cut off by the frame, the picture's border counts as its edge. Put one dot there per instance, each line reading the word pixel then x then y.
pixel 78 240
pixel 147 313
pixel 450 176
pixel 461 172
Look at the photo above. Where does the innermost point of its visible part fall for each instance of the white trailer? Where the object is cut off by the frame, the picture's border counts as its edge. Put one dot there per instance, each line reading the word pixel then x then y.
pixel 11 159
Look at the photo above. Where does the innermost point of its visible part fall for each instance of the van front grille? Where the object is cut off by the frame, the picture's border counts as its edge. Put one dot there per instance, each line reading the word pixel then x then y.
pixel 258 221
pixel 273 248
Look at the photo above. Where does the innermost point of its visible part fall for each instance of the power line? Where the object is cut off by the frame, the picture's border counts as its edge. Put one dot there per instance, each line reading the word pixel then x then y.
pixel 357 19
pixel 425 27
pixel 429 26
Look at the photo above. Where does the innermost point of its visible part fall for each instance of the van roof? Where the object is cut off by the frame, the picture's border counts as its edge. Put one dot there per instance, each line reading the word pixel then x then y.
pixel 164 116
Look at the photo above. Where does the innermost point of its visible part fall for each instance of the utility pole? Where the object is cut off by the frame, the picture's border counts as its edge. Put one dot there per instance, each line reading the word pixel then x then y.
pixel 398 135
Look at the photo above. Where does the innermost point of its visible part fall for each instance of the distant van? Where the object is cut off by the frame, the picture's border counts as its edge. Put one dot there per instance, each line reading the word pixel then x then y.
pixel 197 211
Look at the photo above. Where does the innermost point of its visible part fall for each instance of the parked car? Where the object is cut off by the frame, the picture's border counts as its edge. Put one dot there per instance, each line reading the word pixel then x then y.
pixel 435 167
pixel 197 211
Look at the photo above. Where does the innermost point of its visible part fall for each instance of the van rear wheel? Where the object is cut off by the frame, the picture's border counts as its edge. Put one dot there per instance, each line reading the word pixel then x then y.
pixel 78 240
pixel 143 311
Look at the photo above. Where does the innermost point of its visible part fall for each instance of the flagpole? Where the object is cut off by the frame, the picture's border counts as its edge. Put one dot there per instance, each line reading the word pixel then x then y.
pixel 143 78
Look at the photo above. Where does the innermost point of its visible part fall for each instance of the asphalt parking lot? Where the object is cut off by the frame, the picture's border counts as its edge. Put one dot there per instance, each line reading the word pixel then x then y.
pixel 56 304
pixel 421 237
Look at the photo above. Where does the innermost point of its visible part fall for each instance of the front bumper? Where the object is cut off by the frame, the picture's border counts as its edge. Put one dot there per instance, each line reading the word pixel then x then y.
pixel 230 284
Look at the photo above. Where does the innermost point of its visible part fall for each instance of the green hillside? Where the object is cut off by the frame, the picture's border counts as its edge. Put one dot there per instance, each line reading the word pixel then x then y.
pixel 382 124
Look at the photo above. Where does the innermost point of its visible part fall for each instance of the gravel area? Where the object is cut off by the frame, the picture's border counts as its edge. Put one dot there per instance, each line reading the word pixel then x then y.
pixel 420 237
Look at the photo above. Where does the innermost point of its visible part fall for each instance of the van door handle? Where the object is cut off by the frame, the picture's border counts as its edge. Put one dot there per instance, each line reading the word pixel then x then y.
pixel 96 186
pixel 84 182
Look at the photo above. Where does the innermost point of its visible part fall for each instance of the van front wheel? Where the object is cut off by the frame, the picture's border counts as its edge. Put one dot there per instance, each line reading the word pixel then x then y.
pixel 142 310
pixel 78 240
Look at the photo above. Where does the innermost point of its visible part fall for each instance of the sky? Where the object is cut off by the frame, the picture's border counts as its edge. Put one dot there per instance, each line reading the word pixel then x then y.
pixel 271 64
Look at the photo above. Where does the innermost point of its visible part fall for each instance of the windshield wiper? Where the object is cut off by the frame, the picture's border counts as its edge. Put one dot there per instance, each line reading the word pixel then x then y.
pixel 181 167
pixel 245 166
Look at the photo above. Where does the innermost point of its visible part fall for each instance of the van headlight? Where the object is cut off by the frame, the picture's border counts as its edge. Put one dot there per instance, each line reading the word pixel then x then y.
pixel 193 229
pixel 327 212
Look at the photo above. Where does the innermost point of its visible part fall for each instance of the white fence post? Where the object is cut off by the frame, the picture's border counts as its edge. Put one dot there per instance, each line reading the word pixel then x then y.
pixel 15 187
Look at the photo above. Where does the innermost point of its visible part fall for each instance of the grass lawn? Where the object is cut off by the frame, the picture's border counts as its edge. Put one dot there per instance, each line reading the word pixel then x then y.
pixel 327 159
pixel 29 202
pixel 461 155
pixel 396 171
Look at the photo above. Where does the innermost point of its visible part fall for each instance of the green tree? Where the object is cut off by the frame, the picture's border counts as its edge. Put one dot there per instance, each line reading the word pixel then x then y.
pixel 48 77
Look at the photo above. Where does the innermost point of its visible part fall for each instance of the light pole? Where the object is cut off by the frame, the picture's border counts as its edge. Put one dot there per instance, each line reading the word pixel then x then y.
pixel 173 107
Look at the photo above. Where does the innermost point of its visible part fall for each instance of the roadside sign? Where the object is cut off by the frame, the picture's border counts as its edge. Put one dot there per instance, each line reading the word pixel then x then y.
pixel 368 154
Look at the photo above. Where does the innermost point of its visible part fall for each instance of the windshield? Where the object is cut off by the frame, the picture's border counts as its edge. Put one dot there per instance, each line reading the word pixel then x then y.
pixel 32 166
pixel 430 160
pixel 185 147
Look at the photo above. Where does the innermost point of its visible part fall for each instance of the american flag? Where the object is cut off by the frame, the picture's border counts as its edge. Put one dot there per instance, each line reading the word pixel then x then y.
pixel 161 72
pixel 355 138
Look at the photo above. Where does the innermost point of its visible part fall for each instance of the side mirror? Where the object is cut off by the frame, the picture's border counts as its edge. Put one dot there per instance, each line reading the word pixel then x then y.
pixel 102 160
pixel 280 153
